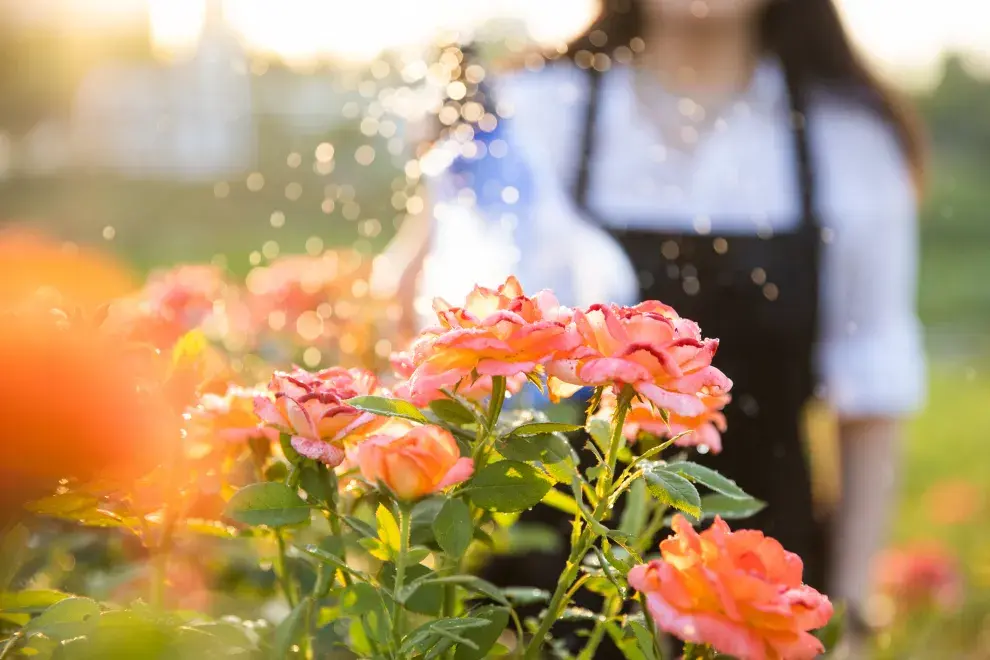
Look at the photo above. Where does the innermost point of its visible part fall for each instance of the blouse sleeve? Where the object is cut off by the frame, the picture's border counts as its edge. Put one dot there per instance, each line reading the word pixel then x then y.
pixel 871 354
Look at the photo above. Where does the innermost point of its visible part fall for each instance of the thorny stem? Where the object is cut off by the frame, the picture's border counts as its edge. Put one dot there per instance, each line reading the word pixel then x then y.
pixel 11 643
pixel 405 519
pixel 612 607
pixel 281 570
pixel 587 537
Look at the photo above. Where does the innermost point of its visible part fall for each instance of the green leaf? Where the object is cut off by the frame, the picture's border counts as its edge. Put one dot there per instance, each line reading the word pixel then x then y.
pixel 522 596
pixel 674 490
pixel 290 453
pixel 362 528
pixel 643 639
pixel 388 528
pixel 233 635
pixel 31 601
pixel 601 432
pixel 636 511
pixel 539 428
pixel 318 482
pixel 484 637
pixel 452 412
pixel 289 631
pixel 70 617
pixel 359 599
pixel 272 504
pixel 730 509
pixel 710 478
pixel 548 448
pixel 424 599
pixel 577 614
pixel 508 486
pixel 380 405
pixel 423 515
pixel 13 553
pixel 469 582
pixel 428 634
pixel 453 527
pixel 326 557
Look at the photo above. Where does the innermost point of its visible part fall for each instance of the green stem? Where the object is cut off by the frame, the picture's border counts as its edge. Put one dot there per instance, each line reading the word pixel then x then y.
pixel 612 607
pixel 618 422
pixel 587 537
pixel 281 570
pixel 405 520
pixel 496 402
pixel 487 435
pixel 558 600
pixel 11 643
pixel 158 577
pixel 324 578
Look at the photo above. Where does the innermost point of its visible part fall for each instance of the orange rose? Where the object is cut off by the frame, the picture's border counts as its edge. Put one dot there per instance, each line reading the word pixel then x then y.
pixel 228 418
pixel 739 592
pixel 421 461
pixel 704 430
pixel 650 347
pixel 311 408
pixel 497 333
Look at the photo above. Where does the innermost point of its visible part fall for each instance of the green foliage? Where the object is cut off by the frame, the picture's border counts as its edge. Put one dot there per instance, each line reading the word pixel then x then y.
pixel 673 490
pixel 380 405
pixel 508 486
pixel 706 476
pixel 453 527
pixel 272 504
pixel 452 411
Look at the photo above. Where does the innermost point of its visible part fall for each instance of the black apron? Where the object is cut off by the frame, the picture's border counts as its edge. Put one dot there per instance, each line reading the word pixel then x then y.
pixel 759 295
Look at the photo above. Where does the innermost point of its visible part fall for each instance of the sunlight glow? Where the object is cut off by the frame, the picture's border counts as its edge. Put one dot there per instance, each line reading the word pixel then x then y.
pixel 176 25
pixel 307 31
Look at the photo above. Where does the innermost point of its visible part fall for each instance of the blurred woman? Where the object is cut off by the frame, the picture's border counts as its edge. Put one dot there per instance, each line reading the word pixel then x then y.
pixel 736 160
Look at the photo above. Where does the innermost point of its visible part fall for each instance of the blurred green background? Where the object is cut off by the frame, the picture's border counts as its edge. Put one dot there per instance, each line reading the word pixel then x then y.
pixel 162 217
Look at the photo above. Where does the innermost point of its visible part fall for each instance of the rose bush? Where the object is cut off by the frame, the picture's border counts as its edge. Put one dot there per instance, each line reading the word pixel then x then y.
pixel 367 507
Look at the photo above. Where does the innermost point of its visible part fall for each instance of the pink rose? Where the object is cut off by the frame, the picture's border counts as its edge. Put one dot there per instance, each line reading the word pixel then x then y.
pixel 311 408
pixel 661 355
pixel 497 333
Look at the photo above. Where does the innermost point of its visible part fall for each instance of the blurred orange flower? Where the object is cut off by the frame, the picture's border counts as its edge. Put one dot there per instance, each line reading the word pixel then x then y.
pixel 954 501
pixel 228 418
pixel 176 301
pixel 413 461
pixel 739 592
pixel 312 408
pixel 72 401
pixel 924 573
pixel 497 333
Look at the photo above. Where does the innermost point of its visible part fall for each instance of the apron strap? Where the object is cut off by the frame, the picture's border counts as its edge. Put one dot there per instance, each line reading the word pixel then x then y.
pixel 796 94
pixel 799 133
pixel 588 131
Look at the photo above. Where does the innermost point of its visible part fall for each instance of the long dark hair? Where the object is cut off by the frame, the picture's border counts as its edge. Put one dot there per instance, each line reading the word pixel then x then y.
pixel 808 38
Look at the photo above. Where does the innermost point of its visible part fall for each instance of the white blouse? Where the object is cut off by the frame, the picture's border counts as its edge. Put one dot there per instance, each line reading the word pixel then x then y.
pixel 739 178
